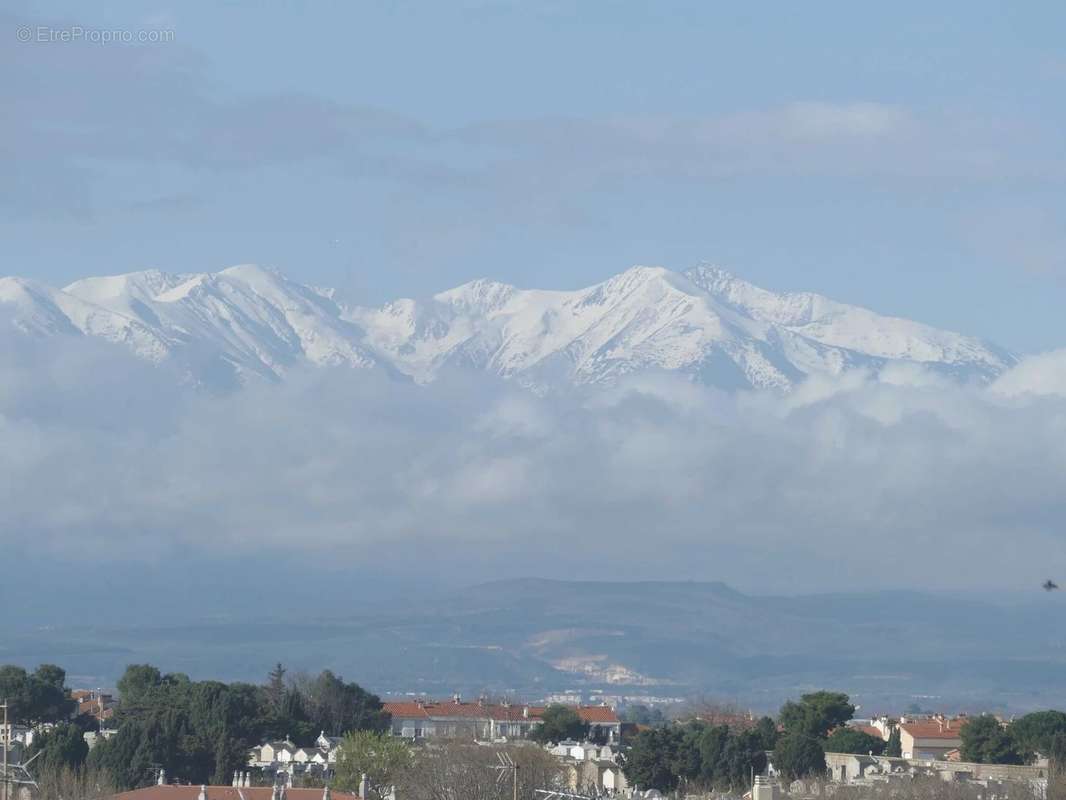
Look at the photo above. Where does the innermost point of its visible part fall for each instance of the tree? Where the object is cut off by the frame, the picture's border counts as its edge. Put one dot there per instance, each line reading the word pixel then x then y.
pixel 72 784
pixel 51 675
pixel 985 741
pixel 799 756
pixel 35 697
pixel 275 687
pixel 558 723
pixel 127 758
pixel 456 770
pixel 1036 732
pixel 652 759
pixel 817 713
pixel 14 687
pixel 137 683
pixel 894 746
pixel 382 758
pixel 337 707
pixel 62 747
pixel 766 729
pixel 849 740
pixel 49 697
pixel 642 715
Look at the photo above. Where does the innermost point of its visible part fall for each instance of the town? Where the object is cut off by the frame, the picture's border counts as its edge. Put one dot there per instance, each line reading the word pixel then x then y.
pixel 164 736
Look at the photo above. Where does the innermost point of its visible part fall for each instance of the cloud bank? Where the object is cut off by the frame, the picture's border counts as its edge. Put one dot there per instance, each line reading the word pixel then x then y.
pixel 903 480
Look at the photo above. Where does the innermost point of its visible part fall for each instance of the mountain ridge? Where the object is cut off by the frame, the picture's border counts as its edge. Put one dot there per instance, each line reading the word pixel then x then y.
pixel 533 636
pixel 247 322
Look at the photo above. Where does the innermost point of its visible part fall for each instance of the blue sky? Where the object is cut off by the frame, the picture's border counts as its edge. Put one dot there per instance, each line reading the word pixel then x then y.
pixel 898 156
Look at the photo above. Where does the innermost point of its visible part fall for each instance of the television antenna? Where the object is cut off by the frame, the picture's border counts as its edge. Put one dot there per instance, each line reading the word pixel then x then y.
pixel 553 794
pixel 506 765
pixel 16 774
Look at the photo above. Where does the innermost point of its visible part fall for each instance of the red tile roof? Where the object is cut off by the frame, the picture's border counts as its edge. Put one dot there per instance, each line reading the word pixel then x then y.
pixel 172 792
pixel 868 729
pixel 934 728
pixel 596 715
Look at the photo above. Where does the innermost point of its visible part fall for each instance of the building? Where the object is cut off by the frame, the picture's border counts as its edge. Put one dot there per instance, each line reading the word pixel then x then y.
pixel 869 729
pixel 865 769
pixel 930 738
pixel 95 703
pixel 285 754
pixel 93 738
pixel 422 719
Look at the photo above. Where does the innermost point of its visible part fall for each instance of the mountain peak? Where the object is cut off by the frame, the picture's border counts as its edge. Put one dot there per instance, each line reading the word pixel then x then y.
pixel 481 294
pixel 706 324
pixel 253 273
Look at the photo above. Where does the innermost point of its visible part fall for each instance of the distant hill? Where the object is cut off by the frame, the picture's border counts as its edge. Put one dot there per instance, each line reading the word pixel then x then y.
pixel 531 637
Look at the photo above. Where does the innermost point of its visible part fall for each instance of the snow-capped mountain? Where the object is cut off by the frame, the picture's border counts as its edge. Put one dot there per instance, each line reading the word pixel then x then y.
pixel 218 328
pixel 243 322
pixel 705 323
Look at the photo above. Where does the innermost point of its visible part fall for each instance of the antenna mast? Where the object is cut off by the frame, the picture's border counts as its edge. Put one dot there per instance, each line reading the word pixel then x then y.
pixel 13 773
pixel 7 743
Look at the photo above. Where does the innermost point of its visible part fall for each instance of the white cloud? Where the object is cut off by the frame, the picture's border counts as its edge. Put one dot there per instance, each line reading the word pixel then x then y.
pixel 853 483
pixel 1043 374
pixel 830 121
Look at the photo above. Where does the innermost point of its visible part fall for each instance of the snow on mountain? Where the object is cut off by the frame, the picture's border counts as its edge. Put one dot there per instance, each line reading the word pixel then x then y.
pixel 705 323
pixel 222 328
pixel 218 328
pixel 852 331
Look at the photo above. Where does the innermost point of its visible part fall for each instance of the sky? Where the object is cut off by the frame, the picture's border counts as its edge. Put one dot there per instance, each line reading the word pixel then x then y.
pixel 904 157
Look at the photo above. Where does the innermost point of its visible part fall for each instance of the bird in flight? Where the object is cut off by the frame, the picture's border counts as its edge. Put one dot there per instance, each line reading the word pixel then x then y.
pixel 1050 585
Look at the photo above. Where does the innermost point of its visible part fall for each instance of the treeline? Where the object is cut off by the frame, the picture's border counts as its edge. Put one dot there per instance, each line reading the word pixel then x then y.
pixel 986 741
pixel 35 697
pixel 198 731
pixel 698 755
pixel 201 731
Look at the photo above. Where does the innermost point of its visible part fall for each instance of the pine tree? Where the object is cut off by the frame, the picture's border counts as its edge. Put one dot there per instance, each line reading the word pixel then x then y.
pixel 894 747
pixel 275 688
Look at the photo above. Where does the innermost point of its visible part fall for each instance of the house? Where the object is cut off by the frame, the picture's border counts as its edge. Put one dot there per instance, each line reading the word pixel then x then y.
pixel 95 703
pixel 930 738
pixel 482 721
pixel 284 752
pixel 869 729
pixel 93 738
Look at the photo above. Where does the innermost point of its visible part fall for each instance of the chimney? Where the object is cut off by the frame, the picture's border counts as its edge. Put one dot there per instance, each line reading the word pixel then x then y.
pixel 364 786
